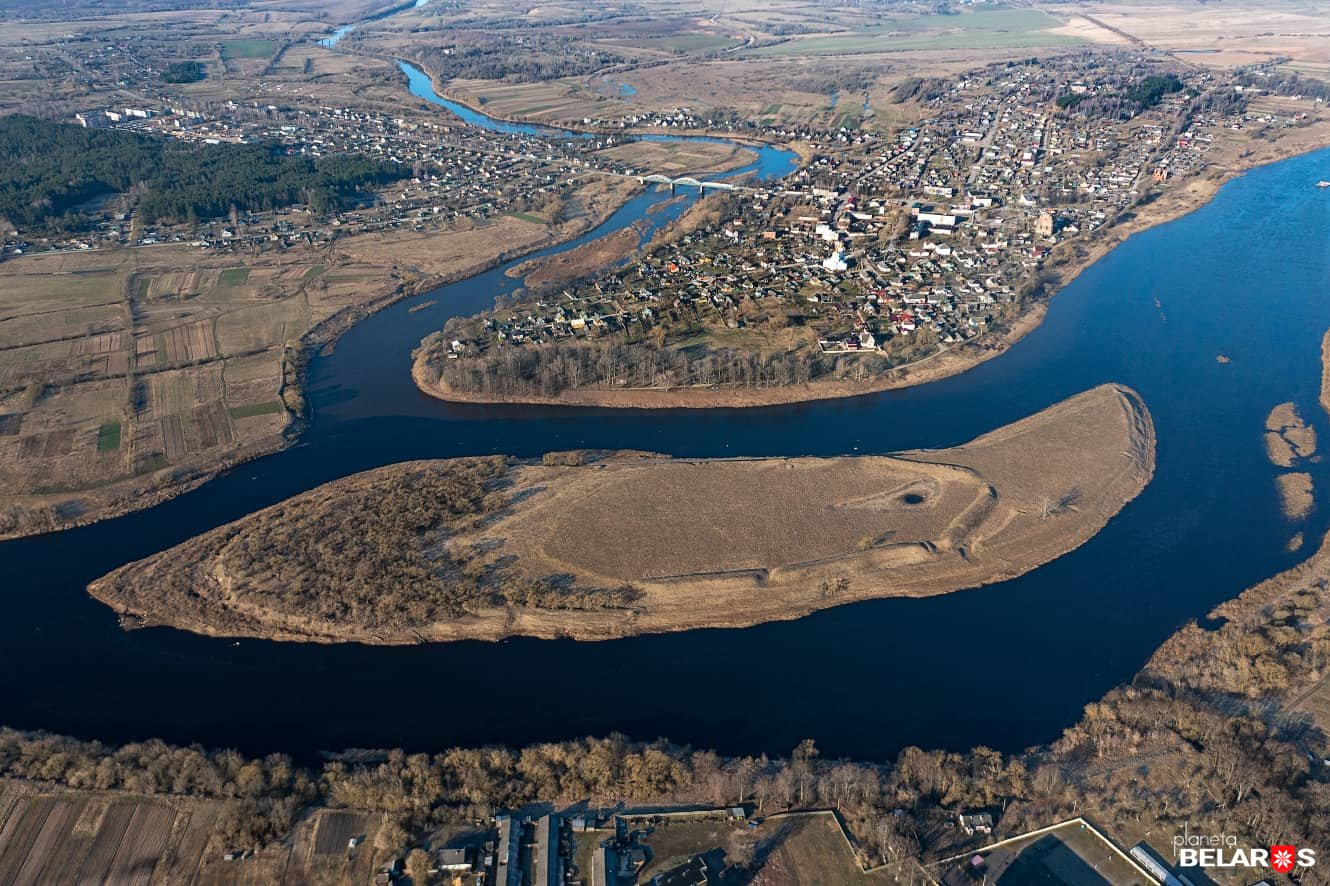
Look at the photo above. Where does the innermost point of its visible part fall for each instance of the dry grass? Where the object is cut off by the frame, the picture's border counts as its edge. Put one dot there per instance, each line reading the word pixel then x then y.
pixel 1287 437
pixel 1295 495
pixel 735 542
pixel 679 158
pixel 575 264
pixel 728 542
pixel 811 850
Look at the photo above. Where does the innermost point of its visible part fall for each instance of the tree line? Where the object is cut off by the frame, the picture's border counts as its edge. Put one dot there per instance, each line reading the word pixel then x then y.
pixel 525 59
pixel 611 364
pixel 48 170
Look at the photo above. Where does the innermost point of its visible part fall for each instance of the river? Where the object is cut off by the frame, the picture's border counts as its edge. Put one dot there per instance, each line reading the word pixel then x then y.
pixel 1005 666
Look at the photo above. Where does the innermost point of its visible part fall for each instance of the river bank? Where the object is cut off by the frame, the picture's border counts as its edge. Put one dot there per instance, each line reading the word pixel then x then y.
pixel 1068 261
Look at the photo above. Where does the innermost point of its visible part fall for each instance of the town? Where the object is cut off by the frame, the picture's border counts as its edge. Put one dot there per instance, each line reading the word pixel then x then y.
pixel 882 254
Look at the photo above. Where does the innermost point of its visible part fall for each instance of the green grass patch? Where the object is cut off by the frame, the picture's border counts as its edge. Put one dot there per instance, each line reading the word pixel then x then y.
pixel 143 288
pixel 108 437
pixel 154 462
pixel 528 217
pixel 248 48
pixel 233 277
pixel 314 271
pixel 272 407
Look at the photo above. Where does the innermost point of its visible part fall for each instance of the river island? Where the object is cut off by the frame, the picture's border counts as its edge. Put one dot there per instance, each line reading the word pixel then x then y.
pixel 596 546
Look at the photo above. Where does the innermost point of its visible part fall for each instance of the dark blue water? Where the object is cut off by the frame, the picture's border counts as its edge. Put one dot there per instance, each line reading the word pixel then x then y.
pixel 1006 666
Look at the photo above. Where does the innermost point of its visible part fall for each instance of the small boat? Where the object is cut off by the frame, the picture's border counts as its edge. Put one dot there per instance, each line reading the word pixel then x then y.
pixel 1323 184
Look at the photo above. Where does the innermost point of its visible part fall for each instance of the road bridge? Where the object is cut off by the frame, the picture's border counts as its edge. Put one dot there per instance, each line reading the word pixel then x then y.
pixel 686 182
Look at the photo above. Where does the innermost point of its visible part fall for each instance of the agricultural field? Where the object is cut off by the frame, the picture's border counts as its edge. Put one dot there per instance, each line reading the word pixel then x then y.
pixel 248 48
pixel 128 373
pixel 676 44
pixel 66 836
pixel 986 29
pixel 1238 34
pixel 789 91
pixel 549 102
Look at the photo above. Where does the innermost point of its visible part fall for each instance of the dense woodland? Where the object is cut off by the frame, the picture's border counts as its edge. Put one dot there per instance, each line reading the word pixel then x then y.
pixel 47 170
pixel 369 551
pixel 549 370
pixel 521 59
pixel 184 72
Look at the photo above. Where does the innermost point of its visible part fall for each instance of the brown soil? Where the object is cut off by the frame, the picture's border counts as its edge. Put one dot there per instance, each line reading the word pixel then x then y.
pixel 737 542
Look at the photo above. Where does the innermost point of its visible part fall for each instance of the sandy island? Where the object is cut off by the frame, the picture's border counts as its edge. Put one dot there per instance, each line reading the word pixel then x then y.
pixel 628 544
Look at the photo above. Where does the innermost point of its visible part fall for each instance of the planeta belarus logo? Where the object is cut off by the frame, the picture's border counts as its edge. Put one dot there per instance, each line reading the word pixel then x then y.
pixel 1282 858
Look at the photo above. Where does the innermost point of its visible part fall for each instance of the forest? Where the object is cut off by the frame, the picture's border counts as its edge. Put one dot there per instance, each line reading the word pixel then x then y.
pixel 48 170
pixel 520 59
pixel 184 72
pixel 613 364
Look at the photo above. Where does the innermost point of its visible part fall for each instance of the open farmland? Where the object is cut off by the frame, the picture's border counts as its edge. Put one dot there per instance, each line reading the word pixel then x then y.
pixel 129 374
pixel 986 29
pixel 76 839
pixel 67 836
pixel 596 548
pixel 549 102
pixel 1234 34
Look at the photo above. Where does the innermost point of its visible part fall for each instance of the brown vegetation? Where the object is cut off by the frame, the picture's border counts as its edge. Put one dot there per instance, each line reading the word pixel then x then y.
pixel 567 267
pixel 366 557
pixel 1287 437
pixel 473 548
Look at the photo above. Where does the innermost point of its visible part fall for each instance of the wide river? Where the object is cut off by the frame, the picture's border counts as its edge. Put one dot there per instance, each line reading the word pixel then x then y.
pixel 1009 665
